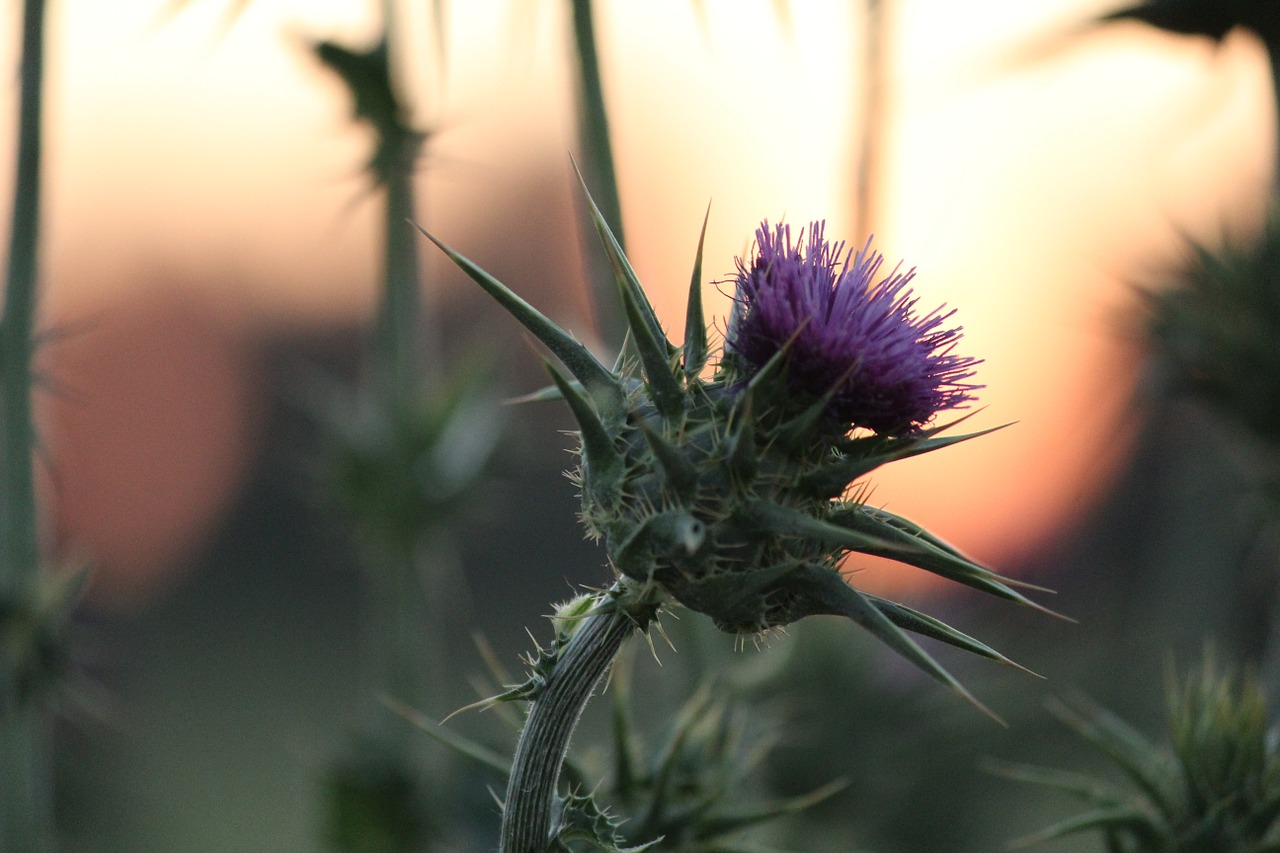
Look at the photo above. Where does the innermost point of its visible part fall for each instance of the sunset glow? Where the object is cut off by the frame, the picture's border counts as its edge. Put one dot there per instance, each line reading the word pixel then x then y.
pixel 1031 192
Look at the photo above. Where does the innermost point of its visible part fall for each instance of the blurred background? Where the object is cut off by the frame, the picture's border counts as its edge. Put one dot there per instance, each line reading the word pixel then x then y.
pixel 211 246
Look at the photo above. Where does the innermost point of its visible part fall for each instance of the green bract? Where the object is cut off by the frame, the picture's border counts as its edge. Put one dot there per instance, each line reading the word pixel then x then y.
pixel 719 494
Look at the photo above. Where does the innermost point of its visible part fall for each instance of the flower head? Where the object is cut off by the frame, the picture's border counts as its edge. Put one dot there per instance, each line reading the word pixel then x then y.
pixel 735 500
pixel 845 335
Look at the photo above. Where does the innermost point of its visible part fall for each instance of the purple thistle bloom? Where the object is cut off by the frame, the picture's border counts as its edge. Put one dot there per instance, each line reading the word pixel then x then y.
pixel 888 369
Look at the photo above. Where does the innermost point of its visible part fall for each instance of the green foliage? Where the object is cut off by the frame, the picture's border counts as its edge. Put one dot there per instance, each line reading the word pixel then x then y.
pixel 1214 787
pixel 374 803
pixel 34 644
pixel 1218 324
pixel 402 468
pixel 584 824
pixel 684 791
pixel 687 792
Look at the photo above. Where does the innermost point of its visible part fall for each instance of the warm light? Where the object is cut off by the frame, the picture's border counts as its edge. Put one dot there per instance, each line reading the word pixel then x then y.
pixel 1029 178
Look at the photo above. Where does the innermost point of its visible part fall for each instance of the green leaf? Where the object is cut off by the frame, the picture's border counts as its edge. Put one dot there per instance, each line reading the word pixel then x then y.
pixel 1142 761
pixel 702 703
pixel 1085 787
pixel 786 521
pixel 898 539
pixel 800 430
pixel 925 625
pixel 681 474
pixel 864 455
pixel 667 395
pixel 460 744
pixel 725 824
pixel 626 776
pixel 628 282
pixel 1102 819
pixel 602 386
pixel 603 463
pixel 823 590
pixel 740 443
pixel 695 324
pixel 1264 814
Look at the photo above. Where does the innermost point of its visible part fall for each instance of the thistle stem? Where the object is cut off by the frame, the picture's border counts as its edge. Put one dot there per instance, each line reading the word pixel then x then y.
pixel 544 742
pixel 26 823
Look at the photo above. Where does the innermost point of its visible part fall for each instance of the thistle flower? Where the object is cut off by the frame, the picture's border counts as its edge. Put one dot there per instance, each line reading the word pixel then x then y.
pixel 844 334
pixel 728 495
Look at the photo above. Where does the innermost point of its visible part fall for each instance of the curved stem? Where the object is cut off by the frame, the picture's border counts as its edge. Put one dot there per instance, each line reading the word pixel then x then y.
pixel 544 742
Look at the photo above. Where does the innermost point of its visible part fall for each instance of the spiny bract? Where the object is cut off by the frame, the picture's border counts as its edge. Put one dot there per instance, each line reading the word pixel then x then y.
pixel 730 496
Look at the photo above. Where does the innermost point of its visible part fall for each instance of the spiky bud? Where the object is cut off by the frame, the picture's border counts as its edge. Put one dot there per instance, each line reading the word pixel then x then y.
pixel 728 493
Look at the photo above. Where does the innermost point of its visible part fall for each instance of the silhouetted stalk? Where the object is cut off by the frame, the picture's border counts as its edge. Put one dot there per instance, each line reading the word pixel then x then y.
pixel 597 168
pixel 1269 667
pixel 873 78
pixel 26 810
pixel 405 621
pixel 399 334
pixel 1273 53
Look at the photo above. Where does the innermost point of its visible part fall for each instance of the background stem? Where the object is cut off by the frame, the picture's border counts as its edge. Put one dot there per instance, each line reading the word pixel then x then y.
pixel 400 335
pixel 26 823
pixel 598 171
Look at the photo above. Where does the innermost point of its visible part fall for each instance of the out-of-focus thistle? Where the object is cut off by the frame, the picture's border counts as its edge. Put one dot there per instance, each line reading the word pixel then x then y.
pixel 403 451
pixel 1217 334
pixel 1213 788
pixel 689 790
pixel 1218 328
pixel 728 494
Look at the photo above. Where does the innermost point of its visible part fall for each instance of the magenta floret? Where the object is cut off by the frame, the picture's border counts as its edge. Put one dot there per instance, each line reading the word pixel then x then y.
pixel 889 369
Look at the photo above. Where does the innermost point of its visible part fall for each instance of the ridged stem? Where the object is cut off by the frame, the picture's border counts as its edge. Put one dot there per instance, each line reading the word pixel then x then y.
pixel 527 815
pixel 26 822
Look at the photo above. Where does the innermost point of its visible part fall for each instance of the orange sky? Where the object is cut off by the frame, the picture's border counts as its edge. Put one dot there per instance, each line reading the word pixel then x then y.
pixel 1028 178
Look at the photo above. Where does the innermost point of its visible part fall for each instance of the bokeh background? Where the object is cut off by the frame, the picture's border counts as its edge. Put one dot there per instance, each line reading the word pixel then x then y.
pixel 211 246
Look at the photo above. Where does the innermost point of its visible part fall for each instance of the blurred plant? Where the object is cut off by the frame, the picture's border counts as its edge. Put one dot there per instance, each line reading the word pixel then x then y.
pixel 403 452
pixel 597 159
pixel 689 789
pixel 1215 331
pixel 34 606
pixel 1213 788
pixel 684 792
pixel 1217 327
pixel 728 495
